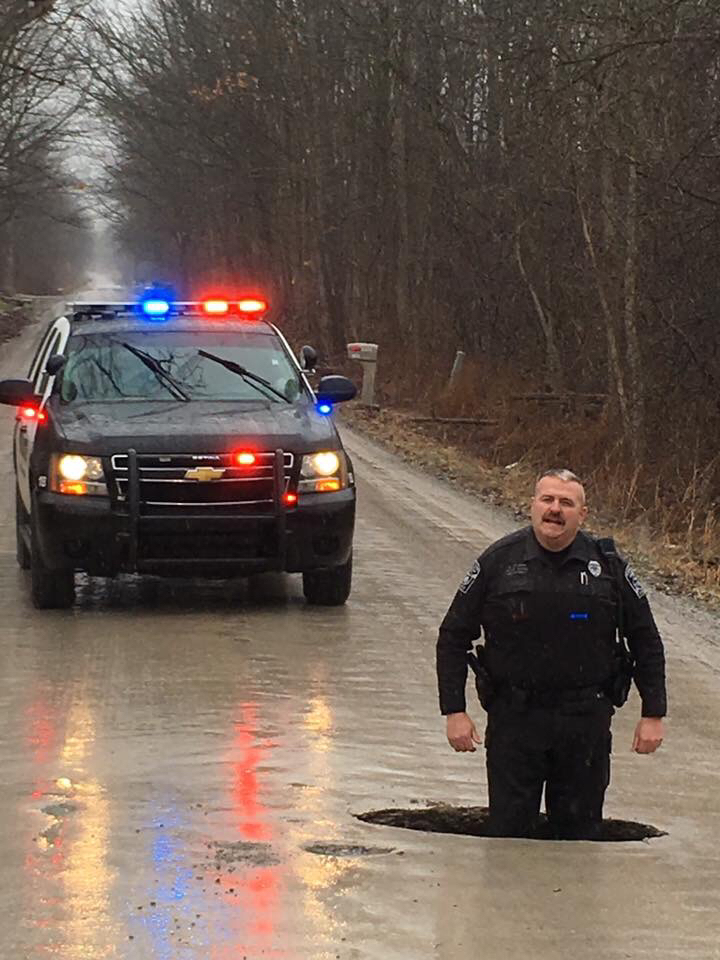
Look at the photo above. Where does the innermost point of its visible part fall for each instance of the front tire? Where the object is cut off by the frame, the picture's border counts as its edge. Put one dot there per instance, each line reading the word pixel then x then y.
pixel 50 589
pixel 329 587
pixel 21 520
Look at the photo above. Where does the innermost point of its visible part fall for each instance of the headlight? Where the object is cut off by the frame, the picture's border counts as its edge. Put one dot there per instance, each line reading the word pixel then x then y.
pixel 323 472
pixel 76 474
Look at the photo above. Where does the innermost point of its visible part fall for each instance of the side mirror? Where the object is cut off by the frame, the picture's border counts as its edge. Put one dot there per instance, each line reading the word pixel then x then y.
pixel 55 364
pixel 18 393
pixel 309 357
pixel 335 389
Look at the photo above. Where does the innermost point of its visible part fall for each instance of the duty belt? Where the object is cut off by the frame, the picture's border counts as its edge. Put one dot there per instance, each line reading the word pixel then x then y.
pixel 549 699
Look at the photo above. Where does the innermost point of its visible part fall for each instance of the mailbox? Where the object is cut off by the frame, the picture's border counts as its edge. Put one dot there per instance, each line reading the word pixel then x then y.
pixel 364 352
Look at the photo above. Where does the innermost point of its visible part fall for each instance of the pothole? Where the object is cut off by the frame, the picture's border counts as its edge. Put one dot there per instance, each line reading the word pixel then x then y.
pixel 473 821
pixel 59 809
pixel 345 850
pixel 48 837
pixel 245 852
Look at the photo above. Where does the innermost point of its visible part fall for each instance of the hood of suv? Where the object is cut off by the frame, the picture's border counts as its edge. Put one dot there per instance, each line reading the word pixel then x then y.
pixel 103 429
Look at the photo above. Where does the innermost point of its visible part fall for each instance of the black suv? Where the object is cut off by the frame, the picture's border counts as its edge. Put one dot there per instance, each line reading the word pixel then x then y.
pixel 178 439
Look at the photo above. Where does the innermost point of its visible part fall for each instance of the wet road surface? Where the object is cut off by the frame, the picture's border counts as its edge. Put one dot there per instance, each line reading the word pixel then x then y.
pixel 182 762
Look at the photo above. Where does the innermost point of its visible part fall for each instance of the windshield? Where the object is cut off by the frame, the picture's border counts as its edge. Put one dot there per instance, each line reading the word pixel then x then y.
pixel 167 364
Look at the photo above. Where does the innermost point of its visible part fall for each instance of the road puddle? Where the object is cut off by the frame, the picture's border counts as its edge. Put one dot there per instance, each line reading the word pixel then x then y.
pixel 474 822
pixel 245 853
pixel 345 850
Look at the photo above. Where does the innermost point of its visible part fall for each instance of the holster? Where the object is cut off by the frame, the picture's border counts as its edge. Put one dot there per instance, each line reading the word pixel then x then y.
pixel 483 680
pixel 618 686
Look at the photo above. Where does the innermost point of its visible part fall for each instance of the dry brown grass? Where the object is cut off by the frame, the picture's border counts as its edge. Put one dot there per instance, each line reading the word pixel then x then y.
pixel 13 316
pixel 663 513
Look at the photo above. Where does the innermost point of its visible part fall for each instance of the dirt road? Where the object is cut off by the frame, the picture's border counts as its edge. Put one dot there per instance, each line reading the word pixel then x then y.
pixel 182 762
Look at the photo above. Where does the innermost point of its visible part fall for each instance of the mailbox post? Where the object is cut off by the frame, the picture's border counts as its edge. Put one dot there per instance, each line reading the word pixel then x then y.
pixel 366 354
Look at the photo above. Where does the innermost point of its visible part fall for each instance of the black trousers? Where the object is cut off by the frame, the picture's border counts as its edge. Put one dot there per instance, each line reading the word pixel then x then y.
pixel 566 750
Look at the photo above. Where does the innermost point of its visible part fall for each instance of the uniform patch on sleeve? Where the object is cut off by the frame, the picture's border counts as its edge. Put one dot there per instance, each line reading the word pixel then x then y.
pixel 470 577
pixel 632 579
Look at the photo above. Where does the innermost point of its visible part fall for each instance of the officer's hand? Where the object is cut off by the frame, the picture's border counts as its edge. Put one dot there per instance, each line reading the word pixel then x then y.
pixel 461 733
pixel 649 735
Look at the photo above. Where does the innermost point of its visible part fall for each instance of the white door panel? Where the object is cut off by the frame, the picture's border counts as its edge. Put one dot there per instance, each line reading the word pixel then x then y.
pixel 55 341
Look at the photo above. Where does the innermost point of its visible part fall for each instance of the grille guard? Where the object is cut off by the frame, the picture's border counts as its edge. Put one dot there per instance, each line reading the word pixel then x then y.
pixel 277 517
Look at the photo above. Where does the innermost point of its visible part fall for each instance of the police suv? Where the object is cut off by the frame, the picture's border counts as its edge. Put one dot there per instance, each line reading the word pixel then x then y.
pixel 178 439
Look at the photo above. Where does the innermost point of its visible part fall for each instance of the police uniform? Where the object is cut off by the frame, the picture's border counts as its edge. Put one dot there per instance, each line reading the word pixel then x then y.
pixel 549 622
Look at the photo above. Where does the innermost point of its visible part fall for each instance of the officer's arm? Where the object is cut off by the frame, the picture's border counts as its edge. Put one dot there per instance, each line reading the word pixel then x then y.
pixel 458 631
pixel 645 645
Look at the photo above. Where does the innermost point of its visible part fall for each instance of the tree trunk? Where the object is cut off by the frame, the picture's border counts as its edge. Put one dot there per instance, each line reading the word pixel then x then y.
pixel 400 180
pixel 636 386
pixel 7 258
pixel 547 323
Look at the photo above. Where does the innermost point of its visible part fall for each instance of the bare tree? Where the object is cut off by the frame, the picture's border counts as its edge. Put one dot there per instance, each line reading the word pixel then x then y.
pixel 41 83
pixel 533 181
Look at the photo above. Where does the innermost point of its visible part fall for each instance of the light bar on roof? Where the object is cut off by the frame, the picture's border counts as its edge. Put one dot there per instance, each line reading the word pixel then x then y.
pixel 161 307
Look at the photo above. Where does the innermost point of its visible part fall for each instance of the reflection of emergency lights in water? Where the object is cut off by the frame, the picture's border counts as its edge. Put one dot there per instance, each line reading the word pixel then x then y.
pixel 40 737
pixel 169 854
pixel 171 883
pixel 80 858
pixel 86 876
pixel 80 734
pixel 250 753
pixel 318 718
pixel 318 874
pixel 258 888
pixel 41 733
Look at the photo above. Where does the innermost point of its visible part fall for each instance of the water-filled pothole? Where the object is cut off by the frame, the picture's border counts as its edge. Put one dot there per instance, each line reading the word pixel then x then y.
pixel 345 850
pixel 246 853
pixel 59 809
pixel 473 821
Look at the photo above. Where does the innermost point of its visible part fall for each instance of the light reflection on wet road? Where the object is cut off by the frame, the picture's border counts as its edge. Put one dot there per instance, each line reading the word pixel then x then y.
pixel 170 749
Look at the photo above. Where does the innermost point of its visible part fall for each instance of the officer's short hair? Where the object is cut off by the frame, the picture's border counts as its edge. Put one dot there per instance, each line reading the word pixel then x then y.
pixel 562 473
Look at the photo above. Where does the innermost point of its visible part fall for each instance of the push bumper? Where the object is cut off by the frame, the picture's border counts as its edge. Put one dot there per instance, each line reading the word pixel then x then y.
pixel 105 538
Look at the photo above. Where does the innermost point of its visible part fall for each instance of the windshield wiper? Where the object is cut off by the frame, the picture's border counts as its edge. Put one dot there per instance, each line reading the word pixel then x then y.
pixel 248 376
pixel 163 376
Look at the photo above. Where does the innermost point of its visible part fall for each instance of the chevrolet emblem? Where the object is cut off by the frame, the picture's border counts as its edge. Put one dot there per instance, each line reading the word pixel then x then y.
pixel 204 474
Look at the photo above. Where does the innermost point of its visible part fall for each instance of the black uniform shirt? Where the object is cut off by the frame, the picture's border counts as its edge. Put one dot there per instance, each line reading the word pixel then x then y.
pixel 549 622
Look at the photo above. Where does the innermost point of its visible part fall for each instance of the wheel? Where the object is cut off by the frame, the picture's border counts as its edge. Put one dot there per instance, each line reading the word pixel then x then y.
pixel 50 589
pixel 329 587
pixel 22 551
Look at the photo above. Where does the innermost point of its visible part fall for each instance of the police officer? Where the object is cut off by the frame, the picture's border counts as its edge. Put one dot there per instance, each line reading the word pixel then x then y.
pixel 548 600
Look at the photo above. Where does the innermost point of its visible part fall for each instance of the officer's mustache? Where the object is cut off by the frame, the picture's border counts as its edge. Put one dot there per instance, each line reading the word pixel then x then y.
pixel 553 518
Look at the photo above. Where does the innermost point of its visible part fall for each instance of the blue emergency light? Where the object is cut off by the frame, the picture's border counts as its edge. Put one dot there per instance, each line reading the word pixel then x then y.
pixel 324 408
pixel 155 308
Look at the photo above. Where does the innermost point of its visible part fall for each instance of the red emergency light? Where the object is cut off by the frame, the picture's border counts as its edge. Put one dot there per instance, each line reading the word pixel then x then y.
pixel 221 306
pixel 216 306
pixel 32 413
pixel 252 305
pixel 245 458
